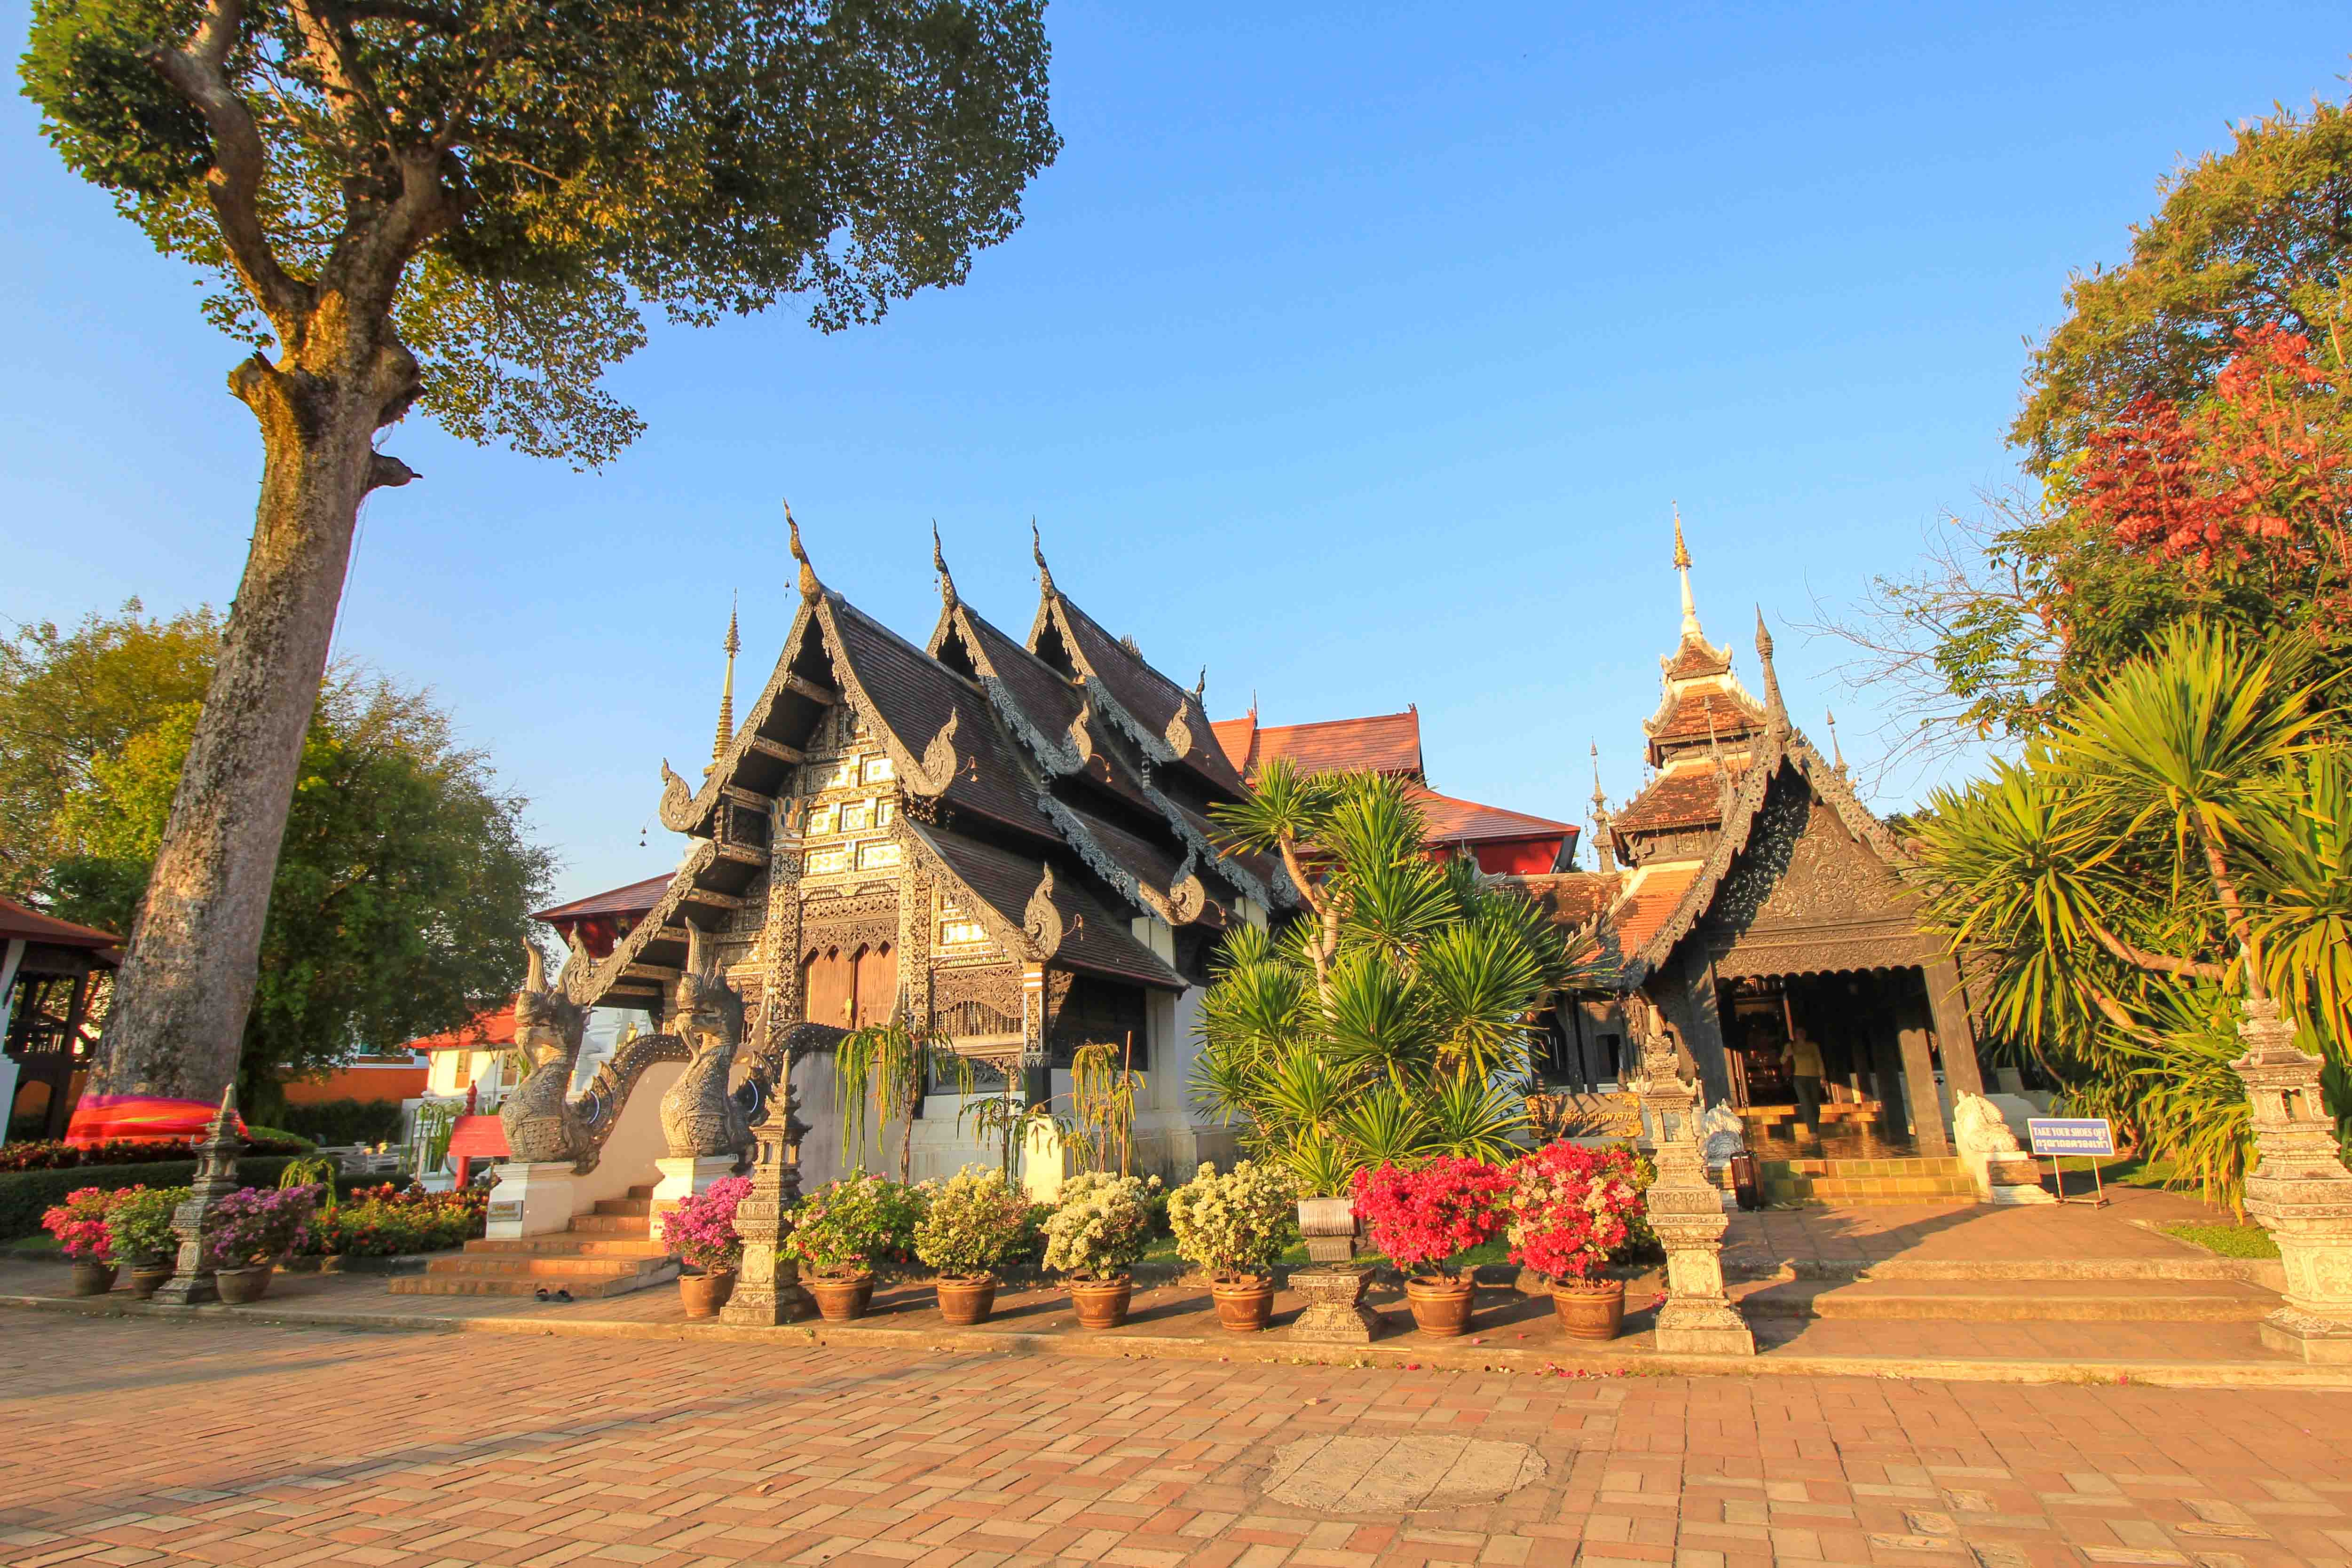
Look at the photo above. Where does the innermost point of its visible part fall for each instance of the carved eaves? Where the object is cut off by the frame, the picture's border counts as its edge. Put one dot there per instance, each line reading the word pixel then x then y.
pixel 586 984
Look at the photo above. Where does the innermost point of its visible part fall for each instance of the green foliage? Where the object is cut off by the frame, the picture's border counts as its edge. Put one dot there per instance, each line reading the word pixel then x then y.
pixel 704 157
pixel 2109 890
pixel 1103 1090
pixel 970 1222
pixel 2228 1240
pixel 1389 1023
pixel 2257 235
pixel 885 1068
pixel 339 1123
pixel 24 1195
pixel 1237 1223
pixel 141 1222
pixel 1099 1227
pixel 406 873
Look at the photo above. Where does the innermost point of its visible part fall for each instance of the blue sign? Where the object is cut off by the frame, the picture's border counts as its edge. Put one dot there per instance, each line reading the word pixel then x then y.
pixel 2070 1136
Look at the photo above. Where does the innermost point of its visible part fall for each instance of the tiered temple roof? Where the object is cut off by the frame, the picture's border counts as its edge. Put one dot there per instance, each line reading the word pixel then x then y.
pixel 1058 786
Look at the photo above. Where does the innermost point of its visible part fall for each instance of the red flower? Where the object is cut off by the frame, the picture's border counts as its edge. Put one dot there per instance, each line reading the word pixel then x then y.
pixel 1419 1219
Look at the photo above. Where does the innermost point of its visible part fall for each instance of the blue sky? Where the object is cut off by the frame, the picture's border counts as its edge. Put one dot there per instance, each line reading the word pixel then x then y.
pixel 1356 352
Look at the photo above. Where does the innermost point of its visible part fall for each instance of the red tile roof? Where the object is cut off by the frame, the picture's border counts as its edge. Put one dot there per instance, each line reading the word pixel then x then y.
pixel 1448 821
pixel 1694 712
pixel 487 1030
pixel 1382 743
pixel 1638 919
pixel 1571 897
pixel 1694 658
pixel 18 923
pixel 1685 798
pixel 634 899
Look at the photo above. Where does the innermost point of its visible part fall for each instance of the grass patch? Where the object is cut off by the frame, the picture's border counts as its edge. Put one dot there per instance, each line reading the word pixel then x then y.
pixel 2127 1170
pixel 2228 1240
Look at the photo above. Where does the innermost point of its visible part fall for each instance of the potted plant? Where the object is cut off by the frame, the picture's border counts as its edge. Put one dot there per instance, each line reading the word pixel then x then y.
pixel 972 1220
pixel 1419 1219
pixel 252 1228
pixel 1570 1208
pixel 79 1225
pixel 1232 1227
pixel 701 1231
pixel 840 1232
pixel 141 1222
pixel 1099 1227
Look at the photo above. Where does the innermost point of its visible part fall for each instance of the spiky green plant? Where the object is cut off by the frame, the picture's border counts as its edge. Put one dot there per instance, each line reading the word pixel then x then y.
pixel 886 1067
pixel 1386 1024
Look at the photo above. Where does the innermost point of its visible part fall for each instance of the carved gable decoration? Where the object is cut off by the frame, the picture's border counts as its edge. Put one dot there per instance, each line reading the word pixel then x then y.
pixel 1803 868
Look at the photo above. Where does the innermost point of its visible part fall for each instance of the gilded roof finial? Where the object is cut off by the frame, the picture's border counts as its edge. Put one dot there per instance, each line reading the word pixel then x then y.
pixel 1837 754
pixel 940 565
pixel 1599 800
pixel 727 693
pixel 1683 566
pixel 1775 711
pixel 810 587
pixel 1037 553
pixel 1200 686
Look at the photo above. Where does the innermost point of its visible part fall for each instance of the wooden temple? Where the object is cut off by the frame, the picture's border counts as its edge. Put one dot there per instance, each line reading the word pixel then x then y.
pixel 1000 838
pixel 1750 895
pixel 49 970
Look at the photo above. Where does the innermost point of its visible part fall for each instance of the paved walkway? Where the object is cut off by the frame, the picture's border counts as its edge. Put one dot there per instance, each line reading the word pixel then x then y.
pixel 139 1441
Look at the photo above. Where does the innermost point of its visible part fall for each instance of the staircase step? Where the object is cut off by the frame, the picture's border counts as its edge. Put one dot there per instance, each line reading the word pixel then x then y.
pixel 1987 1301
pixel 571 1243
pixel 540 1266
pixel 612 1225
pixel 617 1206
pixel 503 1285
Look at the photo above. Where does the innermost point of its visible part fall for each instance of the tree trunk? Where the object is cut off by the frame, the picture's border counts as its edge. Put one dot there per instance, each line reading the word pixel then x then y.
pixel 177 1021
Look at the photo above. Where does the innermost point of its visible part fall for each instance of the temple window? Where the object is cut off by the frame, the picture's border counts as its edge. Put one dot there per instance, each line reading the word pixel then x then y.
pixel 883 811
pixel 878 854
pixel 961 933
pixel 879 770
pixel 820 819
pixel 853 815
pixel 834 859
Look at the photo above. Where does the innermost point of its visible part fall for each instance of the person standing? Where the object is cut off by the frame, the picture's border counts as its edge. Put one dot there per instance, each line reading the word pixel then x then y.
pixel 1803 1058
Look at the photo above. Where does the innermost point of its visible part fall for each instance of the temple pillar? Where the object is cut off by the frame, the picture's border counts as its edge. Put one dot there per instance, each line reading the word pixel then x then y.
pixel 1919 1081
pixel 1690 1000
pixel 1955 1036
pixel 2299 1191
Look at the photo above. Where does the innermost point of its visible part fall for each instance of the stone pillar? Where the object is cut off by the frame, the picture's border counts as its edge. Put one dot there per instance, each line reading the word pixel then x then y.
pixel 1956 1036
pixel 191 1283
pixel 1919 1084
pixel 768 1282
pixel 1686 1212
pixel 2299 1190
pixel 531 1199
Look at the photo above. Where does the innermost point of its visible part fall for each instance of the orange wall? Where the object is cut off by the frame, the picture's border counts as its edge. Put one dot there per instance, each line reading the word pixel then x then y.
pixel 363 1083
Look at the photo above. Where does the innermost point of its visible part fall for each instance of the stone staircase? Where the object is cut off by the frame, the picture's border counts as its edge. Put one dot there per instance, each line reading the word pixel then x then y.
pixel 607 1253
pixel 1887 1179
pixel 1994 1291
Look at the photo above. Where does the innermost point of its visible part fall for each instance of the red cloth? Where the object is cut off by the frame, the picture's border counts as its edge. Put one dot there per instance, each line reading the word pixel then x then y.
pixel 140 1119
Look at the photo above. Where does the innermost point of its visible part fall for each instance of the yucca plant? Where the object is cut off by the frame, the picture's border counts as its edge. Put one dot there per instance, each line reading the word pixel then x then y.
pixel 1386 1025
pixel 2175 843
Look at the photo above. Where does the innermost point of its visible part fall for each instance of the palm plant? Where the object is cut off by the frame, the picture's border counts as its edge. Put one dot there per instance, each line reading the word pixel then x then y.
pixel 1385 1026
pixel 2179 840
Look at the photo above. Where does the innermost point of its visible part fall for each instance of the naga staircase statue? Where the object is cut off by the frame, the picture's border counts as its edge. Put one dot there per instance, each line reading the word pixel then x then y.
pixel 700 1118
pixel 544 1124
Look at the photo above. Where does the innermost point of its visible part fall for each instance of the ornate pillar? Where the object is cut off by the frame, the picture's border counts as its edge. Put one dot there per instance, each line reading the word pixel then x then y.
pixel 1685 1211
pixel 2299 1190
pixel 1919 1084
pixel 192 1282
pixel 768 1283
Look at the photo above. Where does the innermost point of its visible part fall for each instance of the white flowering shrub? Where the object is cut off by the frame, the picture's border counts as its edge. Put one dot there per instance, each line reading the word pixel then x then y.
pixel 1099 1227
pixel 1237 1223
pixel 972 1220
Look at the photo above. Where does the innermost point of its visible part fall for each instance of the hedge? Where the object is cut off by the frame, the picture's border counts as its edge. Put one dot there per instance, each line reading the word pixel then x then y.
pixel 341 1123
pixel 25 1196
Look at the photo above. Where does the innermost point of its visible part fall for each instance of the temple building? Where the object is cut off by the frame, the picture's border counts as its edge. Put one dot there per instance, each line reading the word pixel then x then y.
pixel 1001 839
pixel 1750 894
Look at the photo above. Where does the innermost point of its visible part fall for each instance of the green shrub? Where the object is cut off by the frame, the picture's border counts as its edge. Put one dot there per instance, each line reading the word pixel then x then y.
pixel 26 1194
pixel 341 1123
pixel 294 1142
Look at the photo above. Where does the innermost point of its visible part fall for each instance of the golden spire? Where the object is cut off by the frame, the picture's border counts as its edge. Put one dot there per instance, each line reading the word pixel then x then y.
pixel 1837 753
pixel 727 693
pixel 1683 566
pixel 810 587
pixel 1037 553
pixel 940 565
pixel 1599 800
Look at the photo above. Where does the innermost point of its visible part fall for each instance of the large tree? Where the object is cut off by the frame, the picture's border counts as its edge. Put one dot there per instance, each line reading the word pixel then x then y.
pixel 408 874
pixel 463 204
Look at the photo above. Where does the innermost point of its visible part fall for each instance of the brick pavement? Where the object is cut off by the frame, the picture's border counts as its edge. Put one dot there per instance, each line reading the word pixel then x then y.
pixel 231 1443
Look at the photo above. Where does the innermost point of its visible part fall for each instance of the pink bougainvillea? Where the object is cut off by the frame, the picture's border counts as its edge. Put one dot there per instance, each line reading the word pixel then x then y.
pixel 1569 1208
pixel 701 1229
pixel 1419 1219
pixel 79 1225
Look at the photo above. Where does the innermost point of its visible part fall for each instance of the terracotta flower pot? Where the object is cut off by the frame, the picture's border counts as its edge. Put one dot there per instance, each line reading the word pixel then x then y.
pixel 1101 1303
pixel 841 1300
pixel 1244 1304
pixel 1441 1307
pixel 147 1276
pixel 1589 1309
pixel 239 1286
pixel 93 1276
pixel 704 1294
pixel 967 1301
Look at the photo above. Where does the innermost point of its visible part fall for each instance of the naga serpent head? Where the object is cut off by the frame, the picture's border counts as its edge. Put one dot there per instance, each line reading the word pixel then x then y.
pixel 547 1024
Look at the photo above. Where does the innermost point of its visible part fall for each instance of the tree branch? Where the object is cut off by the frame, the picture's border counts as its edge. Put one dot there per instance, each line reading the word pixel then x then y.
pixel 394 11
pixel 2154 963
pixel 234 184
